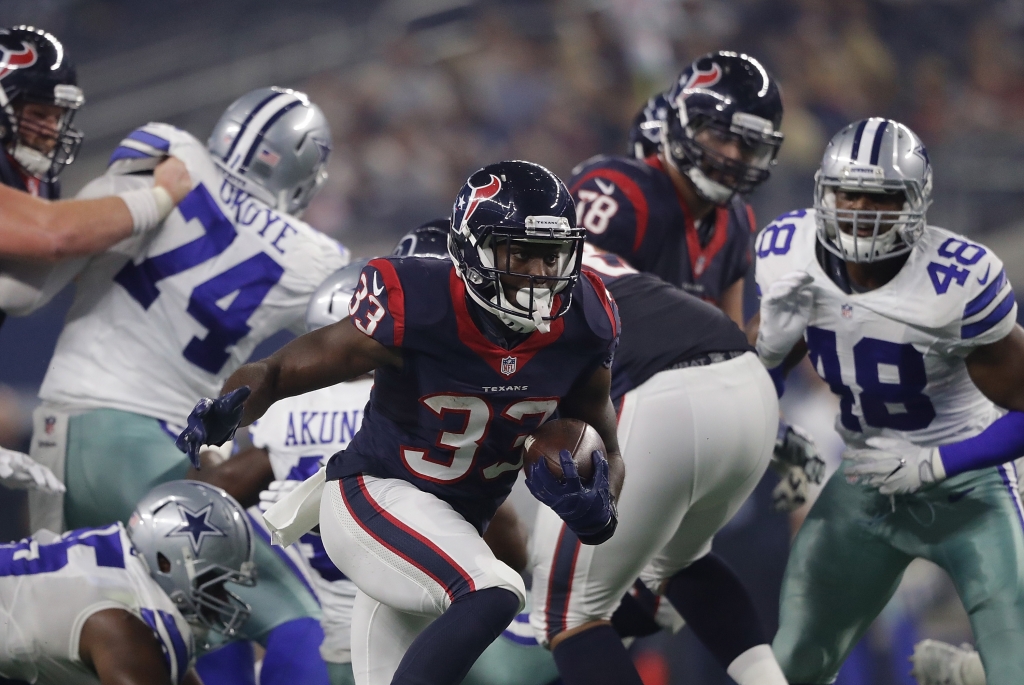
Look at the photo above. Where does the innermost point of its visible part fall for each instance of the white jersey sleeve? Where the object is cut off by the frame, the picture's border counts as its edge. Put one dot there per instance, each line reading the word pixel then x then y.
pixel 49 587
pixel 161 319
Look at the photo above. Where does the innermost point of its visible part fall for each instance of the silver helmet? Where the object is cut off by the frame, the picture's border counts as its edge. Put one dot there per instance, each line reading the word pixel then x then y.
pixel 195 538
pixel 873 156
pixel 275 143
pixel 329 303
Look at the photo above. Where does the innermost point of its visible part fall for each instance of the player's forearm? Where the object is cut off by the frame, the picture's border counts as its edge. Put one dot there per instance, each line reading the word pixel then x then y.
pixel 260 377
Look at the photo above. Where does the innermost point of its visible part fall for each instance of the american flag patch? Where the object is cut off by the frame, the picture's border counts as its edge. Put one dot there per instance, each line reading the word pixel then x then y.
pixel 268 157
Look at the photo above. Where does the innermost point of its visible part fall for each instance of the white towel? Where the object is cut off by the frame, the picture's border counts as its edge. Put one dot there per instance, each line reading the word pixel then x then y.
pixel 298 512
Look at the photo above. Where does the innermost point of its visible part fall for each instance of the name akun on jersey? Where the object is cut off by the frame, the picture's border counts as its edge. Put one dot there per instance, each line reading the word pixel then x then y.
pixel 161 319
pixel 50 585
pixel 300 434
pixel 895 355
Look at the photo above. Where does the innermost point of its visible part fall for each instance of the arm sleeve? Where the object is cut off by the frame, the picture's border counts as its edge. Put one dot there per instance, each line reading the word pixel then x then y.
pixel 377 307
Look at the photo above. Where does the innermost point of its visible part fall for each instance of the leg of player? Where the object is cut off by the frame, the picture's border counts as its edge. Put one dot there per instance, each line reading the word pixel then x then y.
pixel 231 664
pixel 413 554
pixel 980 543
pixel 697 441
pixel 842 570
pixel 293 654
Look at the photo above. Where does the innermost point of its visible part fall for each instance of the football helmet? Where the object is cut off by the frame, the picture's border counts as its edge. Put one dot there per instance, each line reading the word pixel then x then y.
pixel 645 132
pixel 723 96
pixel 329 303
pixel 35 70
pixel 275 143
pixel 872 156
pixel 195 538
pixel 428 240
pixel 513 202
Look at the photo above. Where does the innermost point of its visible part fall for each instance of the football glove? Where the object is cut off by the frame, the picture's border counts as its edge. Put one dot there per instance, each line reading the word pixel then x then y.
pixel 895 467
pixel 796 447
pixel 19 471
pixel 212 422
pixel 791 492
pixel 785 312
pixel 586 508
pixel 938 663
pixel 275 491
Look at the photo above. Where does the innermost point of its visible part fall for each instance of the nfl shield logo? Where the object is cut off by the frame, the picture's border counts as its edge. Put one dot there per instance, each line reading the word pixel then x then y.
pixel 508 366
pixel 847 311
pixel 48 424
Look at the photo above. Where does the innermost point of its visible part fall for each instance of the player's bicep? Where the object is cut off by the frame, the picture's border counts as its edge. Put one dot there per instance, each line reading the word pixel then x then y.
pixel 997 369
pixel 122 650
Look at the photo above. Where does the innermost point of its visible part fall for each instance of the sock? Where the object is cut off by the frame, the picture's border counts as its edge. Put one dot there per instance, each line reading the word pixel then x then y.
pixel 232 664
pixel 756 666
pixel 595 657
pixel 446 649
pixel 717 607
pixel 293 654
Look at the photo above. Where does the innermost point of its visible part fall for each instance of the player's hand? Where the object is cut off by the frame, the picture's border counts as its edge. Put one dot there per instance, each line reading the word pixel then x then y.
pixel 796 447
pixel 586 508
pixel 173 177
pixel 275 491
pixel 785 312
pixel 19 471
pixel 212 422
pixel 938 663
pixel 895 467
pixel 791 492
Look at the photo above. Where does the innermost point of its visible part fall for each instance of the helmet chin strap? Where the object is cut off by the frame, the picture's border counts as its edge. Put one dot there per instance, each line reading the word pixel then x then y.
pixel 710 190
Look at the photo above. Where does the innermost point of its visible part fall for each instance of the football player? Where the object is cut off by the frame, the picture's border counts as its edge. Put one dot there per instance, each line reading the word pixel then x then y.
pixel 468 359
pixel 162 318
pixel 914 328
pixel 126 605
pixel 38 101
pixel 679 213
pixel 697 422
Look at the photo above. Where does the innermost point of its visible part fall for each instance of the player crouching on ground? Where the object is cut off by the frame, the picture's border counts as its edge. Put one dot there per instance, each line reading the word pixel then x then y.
pixel 126 605
pixel 468 358
pixel 914 328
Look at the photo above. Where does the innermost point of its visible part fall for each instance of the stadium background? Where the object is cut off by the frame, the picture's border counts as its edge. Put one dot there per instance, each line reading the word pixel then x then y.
pixel 419 93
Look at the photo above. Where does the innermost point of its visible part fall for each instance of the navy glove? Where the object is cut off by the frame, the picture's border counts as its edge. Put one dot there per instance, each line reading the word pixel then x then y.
pixel 587 509
pixel 212 422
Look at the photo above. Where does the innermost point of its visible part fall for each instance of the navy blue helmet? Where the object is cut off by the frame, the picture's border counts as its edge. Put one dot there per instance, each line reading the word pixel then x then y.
pixel 645 132
pixel 428 240
pixel 508 203
pixel 724 97
pixel 35 70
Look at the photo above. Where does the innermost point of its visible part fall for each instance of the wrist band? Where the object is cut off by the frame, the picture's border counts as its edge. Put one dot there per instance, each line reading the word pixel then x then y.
pixel 148 207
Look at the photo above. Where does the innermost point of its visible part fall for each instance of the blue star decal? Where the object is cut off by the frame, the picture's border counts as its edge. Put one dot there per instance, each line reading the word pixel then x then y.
pixel 922 153
pixel 195 525
pixel 324 148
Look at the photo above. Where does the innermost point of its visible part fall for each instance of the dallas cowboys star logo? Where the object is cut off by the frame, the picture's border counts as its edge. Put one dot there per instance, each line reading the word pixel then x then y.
pixel 195 525
pixel 323 148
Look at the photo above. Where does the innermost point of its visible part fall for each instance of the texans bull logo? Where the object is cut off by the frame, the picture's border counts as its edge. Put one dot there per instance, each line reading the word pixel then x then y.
pixel 703 79
pixel 480 194
pixel 11 60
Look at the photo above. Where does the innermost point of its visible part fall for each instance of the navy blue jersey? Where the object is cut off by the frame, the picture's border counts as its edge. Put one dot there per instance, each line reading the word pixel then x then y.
pixel 631 208
pixel 661 324
pixel 452 419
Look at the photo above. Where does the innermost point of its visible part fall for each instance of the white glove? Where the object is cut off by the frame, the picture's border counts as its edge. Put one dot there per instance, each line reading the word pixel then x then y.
pixel 938 663
pixel 21 472
pixel 785 311
pixel 895 467
pixel 276 490
pixel 791 492
pixel 795 446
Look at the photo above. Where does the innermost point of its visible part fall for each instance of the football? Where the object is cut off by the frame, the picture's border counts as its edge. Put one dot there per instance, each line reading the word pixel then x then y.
pixel 576 436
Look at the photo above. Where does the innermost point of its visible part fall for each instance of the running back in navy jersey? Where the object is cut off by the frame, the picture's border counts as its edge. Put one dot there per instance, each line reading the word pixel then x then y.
pixel 452 419
pixel 661 324
pixel 630 207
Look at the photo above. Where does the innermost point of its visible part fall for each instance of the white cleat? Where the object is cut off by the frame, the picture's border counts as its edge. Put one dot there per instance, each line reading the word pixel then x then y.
pixel 939 663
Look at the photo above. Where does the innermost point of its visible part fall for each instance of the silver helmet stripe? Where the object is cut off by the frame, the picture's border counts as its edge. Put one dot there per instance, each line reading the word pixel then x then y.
pixel 255 128
pixel 867 141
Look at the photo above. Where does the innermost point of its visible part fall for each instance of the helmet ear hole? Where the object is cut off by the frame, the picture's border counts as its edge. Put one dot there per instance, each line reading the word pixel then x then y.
pixel 163 563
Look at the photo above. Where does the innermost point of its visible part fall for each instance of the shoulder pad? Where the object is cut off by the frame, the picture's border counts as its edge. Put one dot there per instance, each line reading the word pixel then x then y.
pixel 147 146
pixel 599 306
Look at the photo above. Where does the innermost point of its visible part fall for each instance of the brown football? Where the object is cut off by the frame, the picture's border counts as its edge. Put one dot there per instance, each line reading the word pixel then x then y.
pixel 578 437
